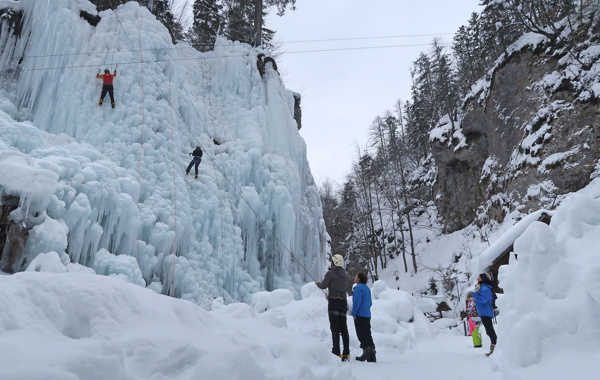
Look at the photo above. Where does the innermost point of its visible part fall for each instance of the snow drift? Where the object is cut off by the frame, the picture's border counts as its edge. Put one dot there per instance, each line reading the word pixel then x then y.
pixel 550 321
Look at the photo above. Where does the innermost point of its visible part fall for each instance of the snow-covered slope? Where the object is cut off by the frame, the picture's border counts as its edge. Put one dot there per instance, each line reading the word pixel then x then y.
pixel 551 308
pixel 78 326
pixel 82 326
pixel 96 183
pixel 549 324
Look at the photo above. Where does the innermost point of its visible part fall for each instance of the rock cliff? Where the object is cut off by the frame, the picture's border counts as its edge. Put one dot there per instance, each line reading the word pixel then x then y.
pixel 527 134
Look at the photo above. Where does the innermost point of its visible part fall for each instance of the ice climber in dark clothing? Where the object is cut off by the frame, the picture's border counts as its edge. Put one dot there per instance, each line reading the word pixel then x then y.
pixel 336 281
pixel 197 153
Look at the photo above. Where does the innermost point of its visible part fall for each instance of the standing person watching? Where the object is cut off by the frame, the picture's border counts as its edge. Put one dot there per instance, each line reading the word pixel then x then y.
pixel 336 280
pixel 361 311
pixel 483 302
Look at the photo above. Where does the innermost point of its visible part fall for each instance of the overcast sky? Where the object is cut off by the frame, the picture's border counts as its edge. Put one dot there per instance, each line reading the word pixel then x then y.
pixel 344 90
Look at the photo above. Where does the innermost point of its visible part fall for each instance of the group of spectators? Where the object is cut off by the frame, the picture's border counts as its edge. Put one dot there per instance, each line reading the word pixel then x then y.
pixel 480 309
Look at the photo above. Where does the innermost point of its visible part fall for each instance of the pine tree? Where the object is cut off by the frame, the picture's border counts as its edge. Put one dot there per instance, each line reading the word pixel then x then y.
pixel 420 113
pixel 163 11
pixel 499 29
pixel 444 82
pixel 239 23
pixel 467 49
pixel 243 22
pixel 539 16
pixel 207 21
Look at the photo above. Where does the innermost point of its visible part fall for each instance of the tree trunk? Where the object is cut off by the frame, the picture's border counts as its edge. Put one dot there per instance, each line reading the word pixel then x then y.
pixel 258 22
pixel 412 243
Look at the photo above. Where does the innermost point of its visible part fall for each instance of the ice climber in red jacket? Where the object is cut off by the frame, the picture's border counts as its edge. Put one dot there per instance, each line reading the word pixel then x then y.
pixel 107 86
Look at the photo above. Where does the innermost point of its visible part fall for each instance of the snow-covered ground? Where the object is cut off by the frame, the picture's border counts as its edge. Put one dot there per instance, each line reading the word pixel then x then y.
pixel 62 325
pixel 98 189
pixel 83 326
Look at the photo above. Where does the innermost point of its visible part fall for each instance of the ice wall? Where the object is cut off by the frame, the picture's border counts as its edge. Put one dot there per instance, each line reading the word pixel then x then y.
pixel 95 179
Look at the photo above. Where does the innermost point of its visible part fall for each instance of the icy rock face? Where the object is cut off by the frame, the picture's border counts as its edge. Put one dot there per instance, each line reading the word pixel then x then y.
pixel 529 135
pixel 96 183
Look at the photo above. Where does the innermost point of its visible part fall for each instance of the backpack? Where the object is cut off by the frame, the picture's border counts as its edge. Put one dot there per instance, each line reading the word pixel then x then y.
pixel 471 309
pixel 495 309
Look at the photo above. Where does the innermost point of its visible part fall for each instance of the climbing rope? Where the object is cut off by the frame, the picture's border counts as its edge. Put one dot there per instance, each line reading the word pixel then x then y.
pixel 112 60
pixel 204 84
pixel 173 163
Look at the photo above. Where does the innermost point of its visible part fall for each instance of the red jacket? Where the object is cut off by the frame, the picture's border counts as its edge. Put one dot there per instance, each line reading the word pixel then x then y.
pixel 107 78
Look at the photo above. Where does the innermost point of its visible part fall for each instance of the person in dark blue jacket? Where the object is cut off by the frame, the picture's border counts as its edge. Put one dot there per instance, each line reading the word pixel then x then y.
pixel 197 153
pixel 361 312
pixel 483 303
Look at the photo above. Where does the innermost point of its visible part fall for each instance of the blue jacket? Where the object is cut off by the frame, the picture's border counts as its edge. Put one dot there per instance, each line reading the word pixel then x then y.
pixel 483 301
pixel 361 301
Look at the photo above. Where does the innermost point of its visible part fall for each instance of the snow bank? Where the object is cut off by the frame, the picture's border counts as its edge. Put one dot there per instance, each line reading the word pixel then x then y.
pixel 551 308
pixel 263 301
pixel 487 257
pixel 76 326
pixel 81 326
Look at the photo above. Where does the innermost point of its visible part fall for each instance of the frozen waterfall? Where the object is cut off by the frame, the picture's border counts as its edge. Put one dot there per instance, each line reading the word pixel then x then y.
pixel 106 189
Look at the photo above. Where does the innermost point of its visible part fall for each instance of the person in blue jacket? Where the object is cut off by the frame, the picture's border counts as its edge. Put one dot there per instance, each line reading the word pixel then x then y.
pixel 483 303
pixel 361 312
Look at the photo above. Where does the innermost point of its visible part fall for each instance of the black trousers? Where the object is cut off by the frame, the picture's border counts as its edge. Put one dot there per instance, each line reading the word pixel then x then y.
pixel 195 160
pixel 338 325
pixel 363 331
pixel 108 88
pixel 489 329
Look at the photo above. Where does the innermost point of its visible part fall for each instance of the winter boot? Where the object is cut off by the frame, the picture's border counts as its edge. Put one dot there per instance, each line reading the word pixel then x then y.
pixel 476 337
pixel 196 175
pixel 491 350
pixel 345 358
pixel 187 173
pixel 100 103
pixel 371 358
pixel 113 105
pixel 364 356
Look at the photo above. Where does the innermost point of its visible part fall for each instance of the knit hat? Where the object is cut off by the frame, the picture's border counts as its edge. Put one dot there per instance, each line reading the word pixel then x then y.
pixel 337 260
pixel 485 278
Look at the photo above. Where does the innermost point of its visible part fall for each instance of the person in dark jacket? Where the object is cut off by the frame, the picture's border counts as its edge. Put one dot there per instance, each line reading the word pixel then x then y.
pixel 483 303
pixel 107 86
pixel 197 153
pixel 361 312
pixel 336 281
